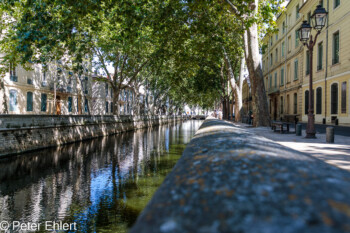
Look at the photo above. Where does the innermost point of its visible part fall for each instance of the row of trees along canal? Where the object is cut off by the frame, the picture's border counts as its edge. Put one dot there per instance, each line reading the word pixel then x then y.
pixel 189 51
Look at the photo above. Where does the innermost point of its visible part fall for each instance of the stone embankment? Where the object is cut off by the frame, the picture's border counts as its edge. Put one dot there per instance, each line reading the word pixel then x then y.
pixel 21 133
pixel 230 180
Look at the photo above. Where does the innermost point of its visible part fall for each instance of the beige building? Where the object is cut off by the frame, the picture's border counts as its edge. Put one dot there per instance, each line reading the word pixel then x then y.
pixel 286 66
pixel 45 90
pixel 56 91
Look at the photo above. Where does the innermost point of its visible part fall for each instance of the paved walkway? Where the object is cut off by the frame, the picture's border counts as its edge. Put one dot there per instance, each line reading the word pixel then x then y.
pixel 337 153
pixel 231 179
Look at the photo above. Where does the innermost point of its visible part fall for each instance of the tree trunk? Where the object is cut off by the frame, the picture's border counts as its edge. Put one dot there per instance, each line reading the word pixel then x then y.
pixel 116 92
pixel 238 104
pixel 260 109
pixel 3 101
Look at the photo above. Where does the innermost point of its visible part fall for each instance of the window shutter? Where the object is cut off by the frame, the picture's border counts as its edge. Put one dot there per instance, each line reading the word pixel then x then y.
pixel 334 98
pixel 306 102
pixel 29 101
pixel 343 97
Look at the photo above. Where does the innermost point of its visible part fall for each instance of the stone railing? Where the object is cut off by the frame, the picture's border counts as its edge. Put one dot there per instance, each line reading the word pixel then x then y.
pixel 229 180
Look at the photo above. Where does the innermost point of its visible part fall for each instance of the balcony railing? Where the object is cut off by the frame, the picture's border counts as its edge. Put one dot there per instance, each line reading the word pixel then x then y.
pixel 273 90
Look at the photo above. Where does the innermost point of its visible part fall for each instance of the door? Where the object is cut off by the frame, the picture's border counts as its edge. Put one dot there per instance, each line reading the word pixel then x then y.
pixel 275 109
pixel 58 105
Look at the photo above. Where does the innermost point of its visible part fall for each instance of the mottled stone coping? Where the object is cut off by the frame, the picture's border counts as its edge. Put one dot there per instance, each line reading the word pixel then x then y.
pixel 229 180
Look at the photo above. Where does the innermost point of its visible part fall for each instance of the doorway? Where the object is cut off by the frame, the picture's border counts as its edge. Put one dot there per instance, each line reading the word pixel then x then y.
pixel 58 105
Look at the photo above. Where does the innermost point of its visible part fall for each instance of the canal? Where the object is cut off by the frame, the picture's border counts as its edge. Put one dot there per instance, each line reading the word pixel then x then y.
pixel 102 185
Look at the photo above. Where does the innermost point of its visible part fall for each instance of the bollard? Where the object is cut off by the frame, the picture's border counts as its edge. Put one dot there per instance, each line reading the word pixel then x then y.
pixel 298 129
pixel 330 134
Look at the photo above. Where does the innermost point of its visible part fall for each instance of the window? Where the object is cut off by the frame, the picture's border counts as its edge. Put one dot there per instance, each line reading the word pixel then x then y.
pixel 334 98
pixel 43 102
pixel 297 12
pixel 282 77
pixel 283 27
pixel 111 107
pixel 271 56
pixel 343 97
pixel 296 38
pixel 29 81
pixel 336 3
pixel 275 79
pixel 309 17
pixel 13 101
pixel 289 44
pixel 111 92
pixel 276 55
pixel 86 90
pixel 78 109
pixel 29 101
pixel 70 103
pixel 70 77
pixel 306 102
pixel 13 73
pixel 44 69
pixel 336 48
pixel 307 62
pixel 288 73
pixel 86 105
pixel 271 40
pixel 281 104
pixel 270 81
pixel 276 36
pixel 321 3
pixel 296 69
pixel 106 88
pixel 59 72
pixel 295 103
pixel 319 56
pixel 283 48
pixel 319 100
pixel 107 106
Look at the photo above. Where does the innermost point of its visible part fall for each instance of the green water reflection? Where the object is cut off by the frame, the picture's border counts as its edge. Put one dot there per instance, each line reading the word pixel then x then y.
pixel 101 184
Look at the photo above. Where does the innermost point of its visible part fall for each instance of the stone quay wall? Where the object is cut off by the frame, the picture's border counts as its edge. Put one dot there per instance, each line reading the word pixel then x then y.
pixel 21 133
pixel 231 180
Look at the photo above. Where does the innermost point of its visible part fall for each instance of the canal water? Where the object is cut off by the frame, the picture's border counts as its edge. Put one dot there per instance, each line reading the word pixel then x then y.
pixel 101 185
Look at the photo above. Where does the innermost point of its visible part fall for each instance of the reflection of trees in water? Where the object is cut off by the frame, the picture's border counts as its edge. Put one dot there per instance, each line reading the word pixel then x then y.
pixel 86 182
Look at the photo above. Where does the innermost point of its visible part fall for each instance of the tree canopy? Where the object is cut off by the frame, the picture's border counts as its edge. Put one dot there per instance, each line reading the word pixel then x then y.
pixel 177 46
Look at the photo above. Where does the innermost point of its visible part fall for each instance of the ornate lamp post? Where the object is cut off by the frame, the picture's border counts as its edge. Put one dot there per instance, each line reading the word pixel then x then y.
pixel 318 21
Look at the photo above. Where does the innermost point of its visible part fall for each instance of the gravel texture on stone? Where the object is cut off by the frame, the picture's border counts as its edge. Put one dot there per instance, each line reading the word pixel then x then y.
pixel 229 180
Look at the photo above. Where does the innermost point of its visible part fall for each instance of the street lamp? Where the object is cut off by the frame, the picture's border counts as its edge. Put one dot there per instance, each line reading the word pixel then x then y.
pixel 318 21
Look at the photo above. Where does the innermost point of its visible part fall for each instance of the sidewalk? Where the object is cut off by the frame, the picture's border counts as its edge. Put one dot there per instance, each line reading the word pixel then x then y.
pixel 337 153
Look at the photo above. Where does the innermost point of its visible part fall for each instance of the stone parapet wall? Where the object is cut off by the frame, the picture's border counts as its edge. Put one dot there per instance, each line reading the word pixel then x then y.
pixel 21 133
pixel 230 180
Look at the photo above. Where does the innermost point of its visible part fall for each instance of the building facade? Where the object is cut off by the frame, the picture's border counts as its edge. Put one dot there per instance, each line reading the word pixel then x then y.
pixel 53 90
pixel 286 65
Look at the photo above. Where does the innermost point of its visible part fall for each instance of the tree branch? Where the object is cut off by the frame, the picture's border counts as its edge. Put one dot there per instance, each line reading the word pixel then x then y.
pixel 234 9
pixel 137 72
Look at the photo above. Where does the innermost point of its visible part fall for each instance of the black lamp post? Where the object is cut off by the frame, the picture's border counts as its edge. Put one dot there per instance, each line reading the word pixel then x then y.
pixel 318 21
